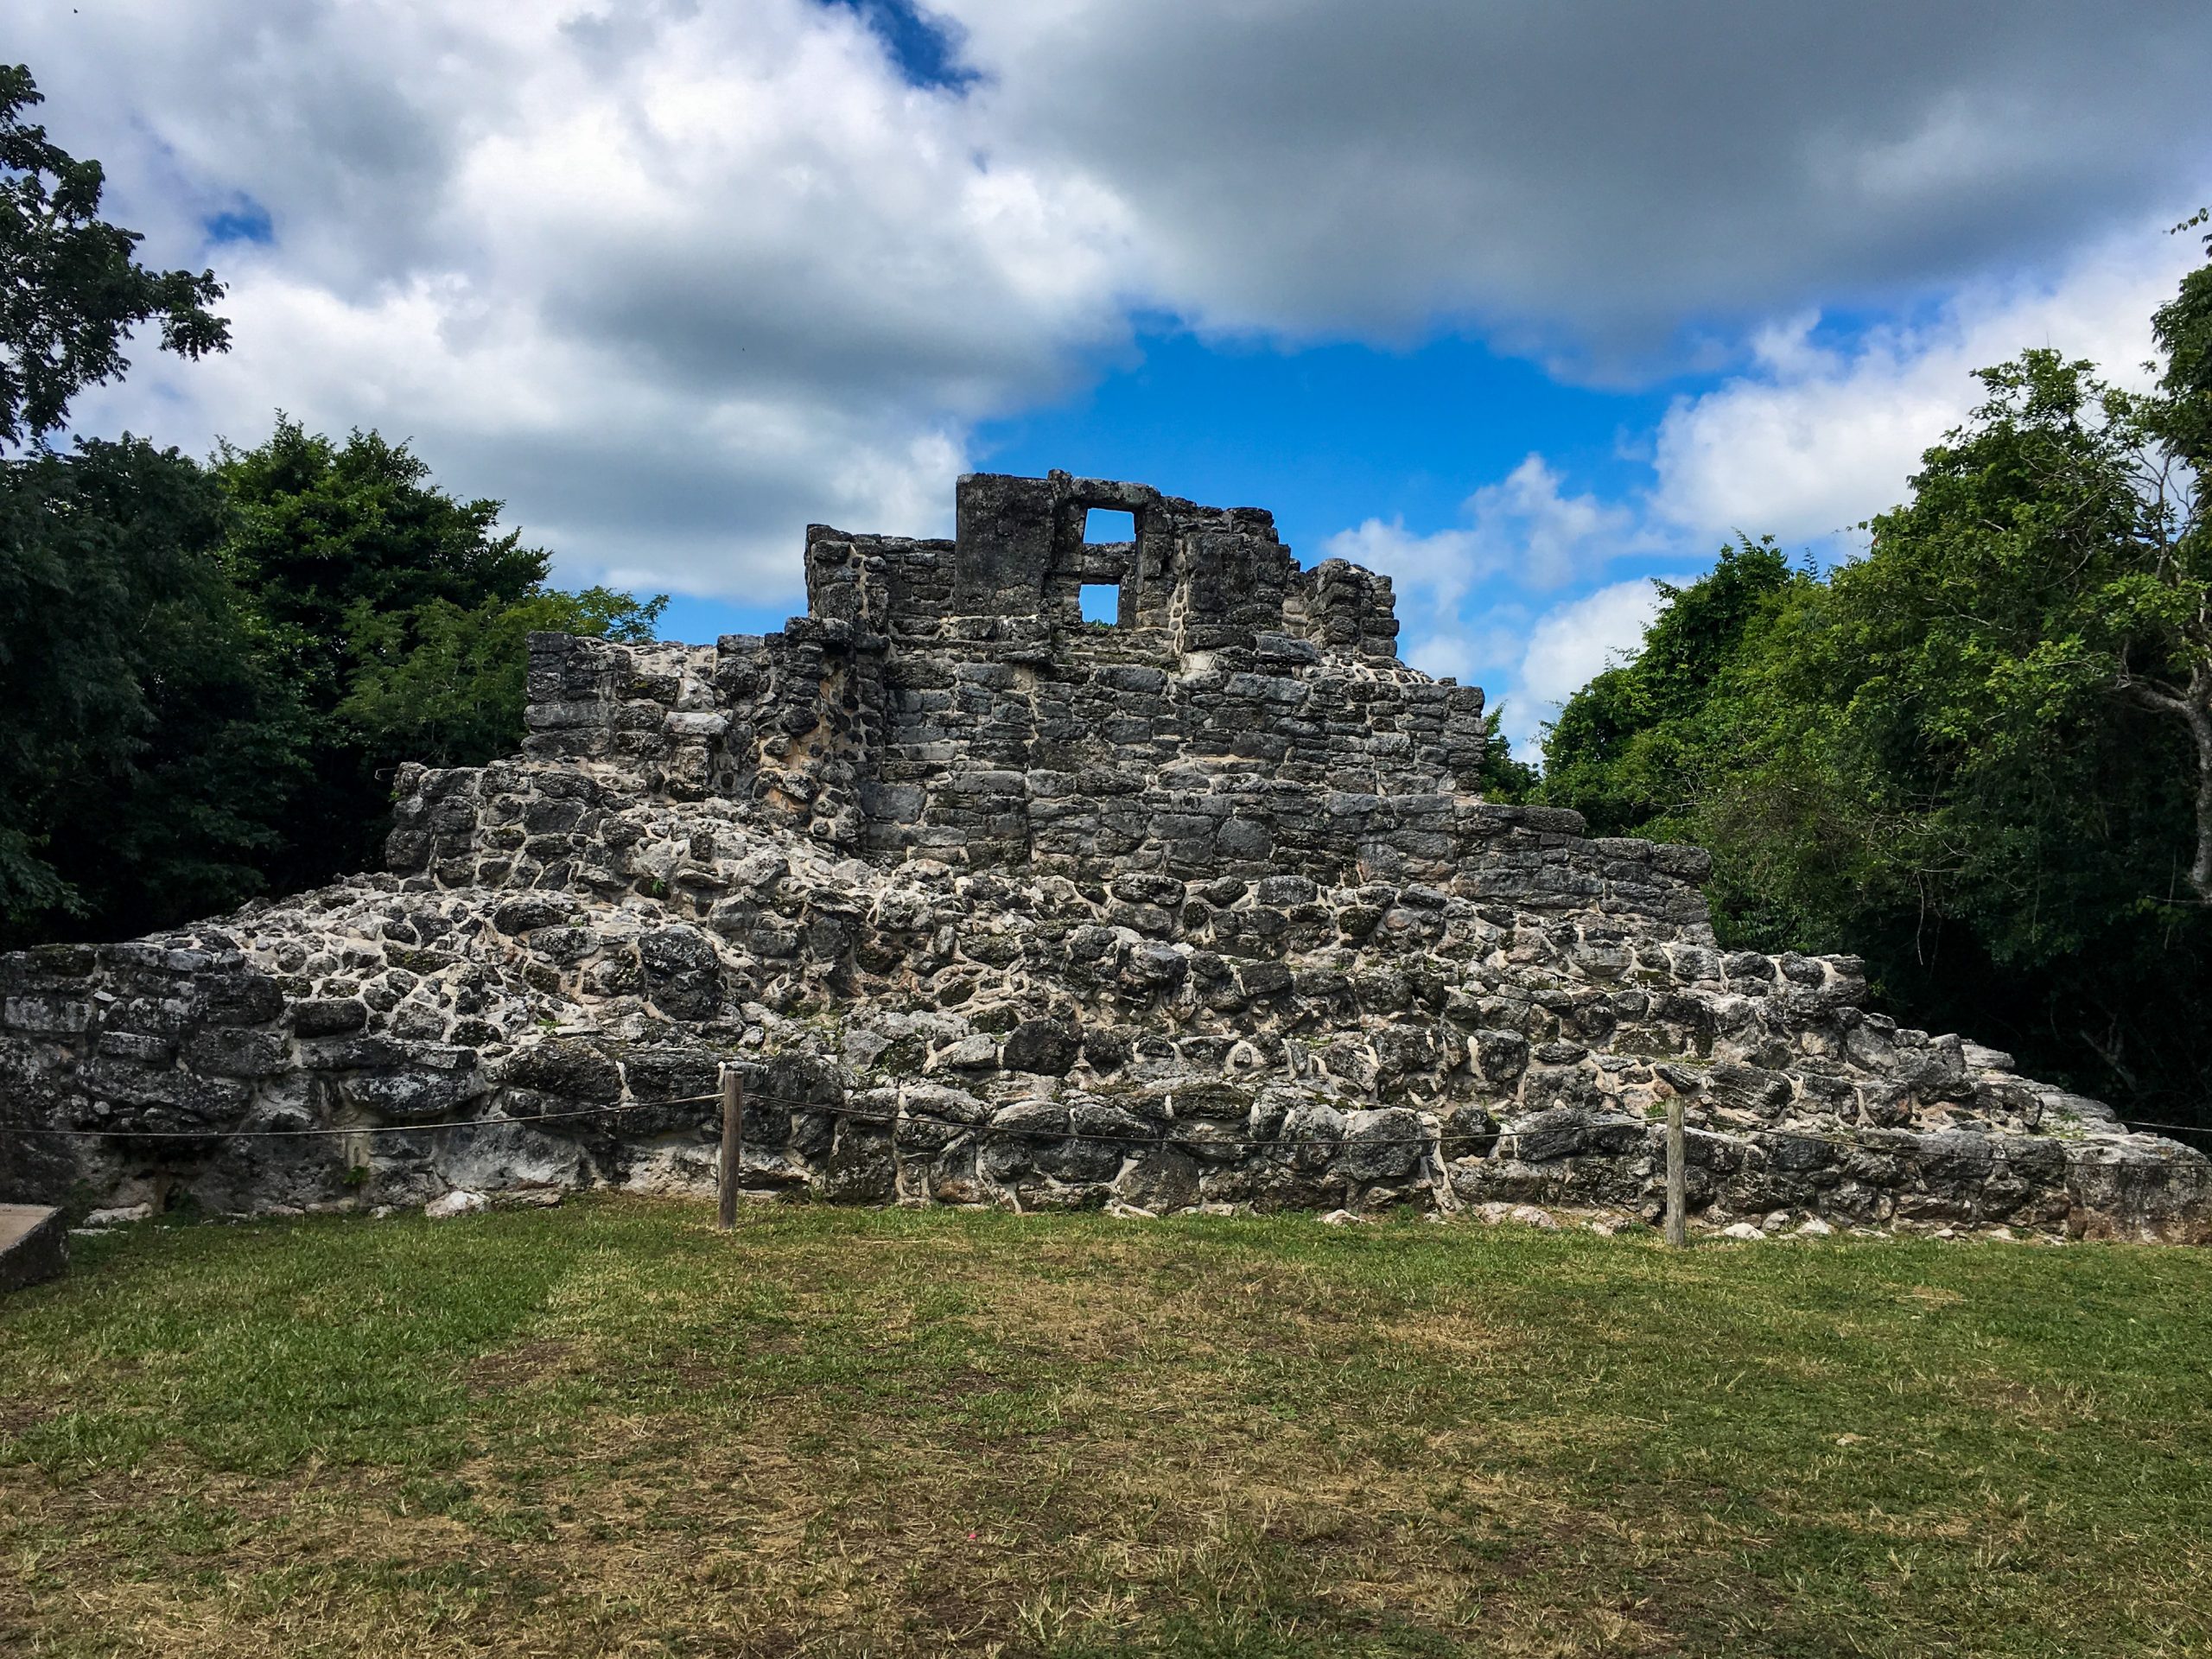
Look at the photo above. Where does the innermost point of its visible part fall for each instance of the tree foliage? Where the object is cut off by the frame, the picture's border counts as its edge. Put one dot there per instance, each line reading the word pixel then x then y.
pixel 1976 757
pixel 446 686
pixel 1502 778
pixel 396 613
pixel 147 750
pixel 1623 746
pixel 208 670
pixel 71 287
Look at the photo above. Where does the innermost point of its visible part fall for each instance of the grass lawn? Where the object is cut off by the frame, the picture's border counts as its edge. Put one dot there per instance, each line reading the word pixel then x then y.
pixel 606 1429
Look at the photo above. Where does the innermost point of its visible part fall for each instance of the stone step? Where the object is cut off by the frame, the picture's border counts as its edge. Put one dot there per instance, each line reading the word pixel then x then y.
pixel 34 1245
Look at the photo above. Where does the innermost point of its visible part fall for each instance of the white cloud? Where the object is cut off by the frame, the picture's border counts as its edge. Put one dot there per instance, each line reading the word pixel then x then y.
pixel 1463 594
pixel 1528 669
pixel 1556 537
pixel 1574 641
pixel 672 285
pixel 1435 569
pixel 674 279
pixel 1815 439
pixel 1464 651
pixel 1461 591
pixel 1524 527
pixel 1568 645
pixel 1601 174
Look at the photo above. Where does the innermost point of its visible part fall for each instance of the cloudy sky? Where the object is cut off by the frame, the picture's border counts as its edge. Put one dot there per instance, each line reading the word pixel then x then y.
pixel 1523 303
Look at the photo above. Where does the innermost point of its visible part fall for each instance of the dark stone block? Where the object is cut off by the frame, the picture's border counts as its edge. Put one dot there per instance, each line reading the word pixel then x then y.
pixel 1045 1047
pixel 1031 1118
pixel 1261 979
pixel 414 1095
pixel 1106 1048
pixel 1467 1130
pixel 134 1046
pixel 858 1166
pixel 671 1073
pixel 186 1095
pixel 1383 1146
pixel 224 1052
pixel 1556 1132
pixel 1158 1178
pixel 244 998
pixel 1736 1087
pixel 534 910
pixel 1501 1057
pixel 571 1070
pixel 682 973
pixel 34 1245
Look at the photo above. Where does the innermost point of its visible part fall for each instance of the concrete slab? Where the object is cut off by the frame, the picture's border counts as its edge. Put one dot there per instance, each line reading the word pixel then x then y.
pixel 34 1245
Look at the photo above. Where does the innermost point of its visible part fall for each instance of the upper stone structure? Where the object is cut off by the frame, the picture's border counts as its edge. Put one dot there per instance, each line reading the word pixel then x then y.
pixel 996 905
pixel 946 698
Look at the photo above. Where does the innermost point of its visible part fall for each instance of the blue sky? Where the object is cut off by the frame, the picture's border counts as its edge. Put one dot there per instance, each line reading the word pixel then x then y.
pixel 1525 305
pixel 1323 436
pixel 1404 440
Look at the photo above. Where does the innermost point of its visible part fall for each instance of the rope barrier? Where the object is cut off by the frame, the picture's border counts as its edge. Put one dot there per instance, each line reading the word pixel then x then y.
pixel 849 1113
pixel 365 1129
pixel 795 1103
pixel 2186 1128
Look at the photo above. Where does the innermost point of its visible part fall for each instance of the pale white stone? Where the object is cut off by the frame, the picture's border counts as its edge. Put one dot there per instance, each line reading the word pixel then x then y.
pixel 492 1156
pixel 676 1171
pixel 530 1198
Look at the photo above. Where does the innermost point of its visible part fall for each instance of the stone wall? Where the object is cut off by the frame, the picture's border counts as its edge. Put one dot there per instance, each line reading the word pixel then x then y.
pixel 994 907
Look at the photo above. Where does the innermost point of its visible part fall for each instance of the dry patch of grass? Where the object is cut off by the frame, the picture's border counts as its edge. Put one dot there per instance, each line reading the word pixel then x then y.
pixel 606 1429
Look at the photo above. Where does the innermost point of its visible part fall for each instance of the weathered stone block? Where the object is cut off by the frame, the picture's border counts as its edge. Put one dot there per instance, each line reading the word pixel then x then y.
pixel 573 1070
pixel 682 973
pixel 1045 1047
pixel 221 1052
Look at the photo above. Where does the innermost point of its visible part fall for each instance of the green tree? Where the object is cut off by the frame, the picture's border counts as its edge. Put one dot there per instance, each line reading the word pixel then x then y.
pixel 1502 778
pixel 2162 608
pixel 71 287
pixel 1626 748
pixel 454 692
pixel 1973 756
pixel 396 613
pixel 138 744
pixel 147 750
pixel 206 673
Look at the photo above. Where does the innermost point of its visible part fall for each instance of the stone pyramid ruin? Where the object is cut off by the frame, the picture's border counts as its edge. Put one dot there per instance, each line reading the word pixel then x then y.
pixel 992 905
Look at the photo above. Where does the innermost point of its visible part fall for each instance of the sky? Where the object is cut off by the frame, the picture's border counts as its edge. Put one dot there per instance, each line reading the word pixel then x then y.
pixel 1528 305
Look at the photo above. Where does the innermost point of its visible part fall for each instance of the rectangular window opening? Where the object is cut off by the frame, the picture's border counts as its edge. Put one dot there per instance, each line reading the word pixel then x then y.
pixel 1105 524
pixel 1102 604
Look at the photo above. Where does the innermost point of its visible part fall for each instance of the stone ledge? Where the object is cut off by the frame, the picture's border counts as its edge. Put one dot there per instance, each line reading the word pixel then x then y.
pixel 34 1245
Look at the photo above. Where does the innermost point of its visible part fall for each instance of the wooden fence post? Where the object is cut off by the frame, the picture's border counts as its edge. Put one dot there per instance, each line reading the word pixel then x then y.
pixel 1677 1222
pixel 733 1145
